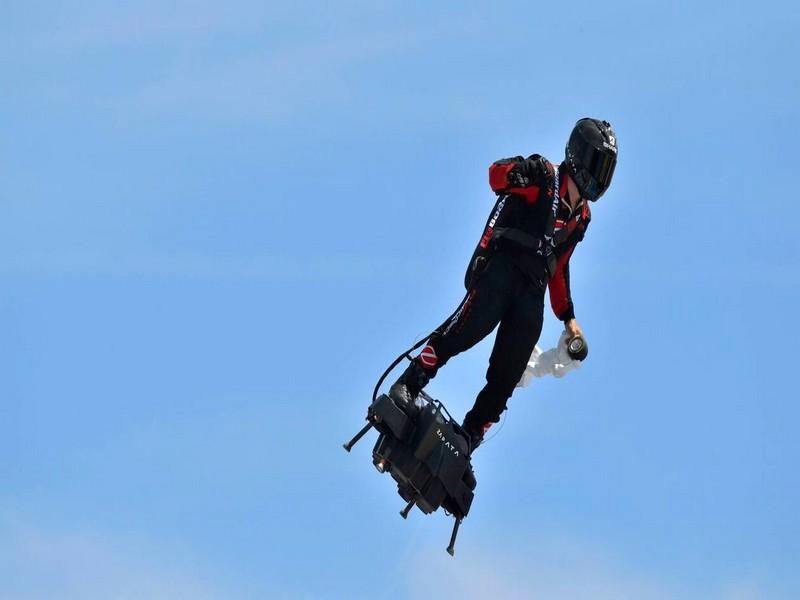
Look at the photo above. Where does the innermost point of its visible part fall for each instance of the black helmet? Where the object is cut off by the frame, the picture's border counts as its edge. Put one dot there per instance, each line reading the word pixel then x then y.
pixel 591 156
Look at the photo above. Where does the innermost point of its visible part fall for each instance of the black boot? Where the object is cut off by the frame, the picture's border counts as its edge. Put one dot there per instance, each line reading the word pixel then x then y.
pixel 475 435
pixel 405 390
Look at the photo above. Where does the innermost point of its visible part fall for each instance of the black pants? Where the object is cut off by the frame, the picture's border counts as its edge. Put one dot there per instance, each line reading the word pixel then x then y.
pixel 502 294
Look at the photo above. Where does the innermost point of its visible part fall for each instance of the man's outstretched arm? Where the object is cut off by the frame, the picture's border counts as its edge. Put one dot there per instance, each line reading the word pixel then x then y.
pixel 561 297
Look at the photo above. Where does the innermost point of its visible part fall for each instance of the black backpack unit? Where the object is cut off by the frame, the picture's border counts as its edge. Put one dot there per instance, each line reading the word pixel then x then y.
pixel 426 453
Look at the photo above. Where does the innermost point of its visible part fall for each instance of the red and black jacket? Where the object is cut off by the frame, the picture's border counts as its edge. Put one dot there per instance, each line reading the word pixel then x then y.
pixel 521 218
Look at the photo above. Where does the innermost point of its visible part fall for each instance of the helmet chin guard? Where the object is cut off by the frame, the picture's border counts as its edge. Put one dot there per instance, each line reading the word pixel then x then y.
pixel 591 156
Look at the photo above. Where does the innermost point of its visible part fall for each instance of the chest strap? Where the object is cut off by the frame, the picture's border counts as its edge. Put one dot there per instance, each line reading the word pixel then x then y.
pixel 545 245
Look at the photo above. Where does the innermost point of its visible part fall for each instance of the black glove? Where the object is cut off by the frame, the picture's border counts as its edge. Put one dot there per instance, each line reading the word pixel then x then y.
pixel 516 178
pixel 527 172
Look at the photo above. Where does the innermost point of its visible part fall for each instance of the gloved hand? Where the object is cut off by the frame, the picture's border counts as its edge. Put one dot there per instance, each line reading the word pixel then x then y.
pixel 526 172
pixel 517 178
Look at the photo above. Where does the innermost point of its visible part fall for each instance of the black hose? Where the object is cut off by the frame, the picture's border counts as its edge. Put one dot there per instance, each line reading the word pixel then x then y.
pixel 407 353
pixel 397 361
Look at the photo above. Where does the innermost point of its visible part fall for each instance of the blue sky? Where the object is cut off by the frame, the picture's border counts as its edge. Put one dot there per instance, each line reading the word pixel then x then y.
pixel 218 224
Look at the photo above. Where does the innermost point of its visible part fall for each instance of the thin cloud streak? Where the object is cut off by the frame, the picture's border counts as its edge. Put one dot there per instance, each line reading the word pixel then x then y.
pixel 546 570
pixel 41 563
pixel 262 267
pixel 272 85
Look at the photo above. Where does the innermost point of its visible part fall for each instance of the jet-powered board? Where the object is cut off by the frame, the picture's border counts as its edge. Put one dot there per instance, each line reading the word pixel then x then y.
pixel 426 452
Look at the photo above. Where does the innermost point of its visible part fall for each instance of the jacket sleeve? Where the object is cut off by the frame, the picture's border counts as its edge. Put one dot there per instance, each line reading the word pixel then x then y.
pixel 517 175
pixel 560 296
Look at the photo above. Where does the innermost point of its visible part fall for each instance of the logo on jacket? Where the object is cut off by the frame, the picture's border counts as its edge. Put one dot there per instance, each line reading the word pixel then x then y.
pixel 428 357
pixel 548 235
pixel 487 235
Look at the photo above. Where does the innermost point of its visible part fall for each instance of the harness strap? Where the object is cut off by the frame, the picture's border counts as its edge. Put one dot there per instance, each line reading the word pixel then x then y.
pixel 549 243
pixel 545 245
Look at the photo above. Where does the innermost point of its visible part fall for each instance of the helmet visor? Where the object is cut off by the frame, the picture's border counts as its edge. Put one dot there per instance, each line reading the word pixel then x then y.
pixel 597 170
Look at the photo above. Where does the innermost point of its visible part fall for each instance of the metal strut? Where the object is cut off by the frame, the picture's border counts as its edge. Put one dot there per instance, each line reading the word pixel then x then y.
pixel 451 549
pixel 357 436
pixel 407 509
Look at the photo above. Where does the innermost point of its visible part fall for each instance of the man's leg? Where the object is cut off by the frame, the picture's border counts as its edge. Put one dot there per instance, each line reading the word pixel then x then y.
pixel 516 337
pixel 479 313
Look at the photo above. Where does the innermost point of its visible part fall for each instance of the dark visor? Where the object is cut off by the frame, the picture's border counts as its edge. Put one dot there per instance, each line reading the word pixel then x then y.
pixel 599 167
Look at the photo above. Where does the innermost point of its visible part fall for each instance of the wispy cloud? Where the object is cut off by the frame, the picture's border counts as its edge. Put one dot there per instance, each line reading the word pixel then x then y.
pixel 273 83
pixel 147 264
pixel 546 571
pixel 224 62
pixel 42 563
pixel 551 569
pixel 106 27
